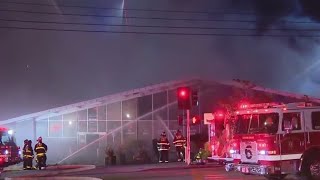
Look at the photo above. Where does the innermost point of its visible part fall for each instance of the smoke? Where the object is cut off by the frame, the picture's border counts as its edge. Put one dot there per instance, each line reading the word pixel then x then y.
pixel 310 8
pixel 274 12
pixel 71 67
pixel 289 58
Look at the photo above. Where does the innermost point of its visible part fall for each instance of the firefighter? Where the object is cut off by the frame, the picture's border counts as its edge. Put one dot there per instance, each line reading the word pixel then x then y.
pixel 179 142
pixel 24 154
pixel 163 147
pixel 41 149
pixel 29 155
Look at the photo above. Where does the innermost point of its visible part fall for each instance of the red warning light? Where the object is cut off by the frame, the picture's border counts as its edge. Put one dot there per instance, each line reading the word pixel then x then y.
pixel 220 115
pixel 244 106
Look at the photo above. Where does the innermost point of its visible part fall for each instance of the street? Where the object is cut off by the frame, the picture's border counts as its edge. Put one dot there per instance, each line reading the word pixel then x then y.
pixel 204 173
pixel 170 171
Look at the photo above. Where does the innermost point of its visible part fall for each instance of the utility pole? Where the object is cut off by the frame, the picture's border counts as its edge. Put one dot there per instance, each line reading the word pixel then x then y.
pixel 188 159
pixel 186 99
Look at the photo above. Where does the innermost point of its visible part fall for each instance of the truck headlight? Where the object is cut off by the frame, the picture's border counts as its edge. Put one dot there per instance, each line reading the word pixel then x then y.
pixel 233 151
pixel 262 152
pixel 10 132
pixel 6 152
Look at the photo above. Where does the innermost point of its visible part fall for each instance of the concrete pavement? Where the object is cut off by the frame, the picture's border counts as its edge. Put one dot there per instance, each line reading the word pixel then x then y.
pixel 53 170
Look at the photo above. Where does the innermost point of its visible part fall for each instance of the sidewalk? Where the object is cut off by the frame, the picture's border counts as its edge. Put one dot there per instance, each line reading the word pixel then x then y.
pixel 15 171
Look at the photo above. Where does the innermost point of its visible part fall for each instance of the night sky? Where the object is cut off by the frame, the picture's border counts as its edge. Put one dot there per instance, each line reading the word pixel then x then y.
pixel 45 69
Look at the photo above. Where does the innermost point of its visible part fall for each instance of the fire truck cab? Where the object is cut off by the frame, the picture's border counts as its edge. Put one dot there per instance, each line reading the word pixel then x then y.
pixel 9 151
pixel 274 140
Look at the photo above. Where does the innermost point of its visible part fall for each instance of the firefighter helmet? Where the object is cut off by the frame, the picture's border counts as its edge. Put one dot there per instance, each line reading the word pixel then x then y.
pixel 30 142
pixel 26 141
pixel 39 139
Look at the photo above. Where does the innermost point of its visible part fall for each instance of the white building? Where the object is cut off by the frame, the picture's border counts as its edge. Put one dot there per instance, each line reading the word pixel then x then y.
pixel 79 133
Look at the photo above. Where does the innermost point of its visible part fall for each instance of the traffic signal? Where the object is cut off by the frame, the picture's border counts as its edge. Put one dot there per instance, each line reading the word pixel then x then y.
pixel 184 97
pixel 180 120
pixel 196 120
pixel 194 98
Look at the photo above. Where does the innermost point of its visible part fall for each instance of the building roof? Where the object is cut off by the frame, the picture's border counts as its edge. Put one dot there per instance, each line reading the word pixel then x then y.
pixel 138 93
pixel 103 100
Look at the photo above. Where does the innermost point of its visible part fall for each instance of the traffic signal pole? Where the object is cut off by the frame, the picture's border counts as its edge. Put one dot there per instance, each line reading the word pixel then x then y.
pixel 188 159
pixel 186 99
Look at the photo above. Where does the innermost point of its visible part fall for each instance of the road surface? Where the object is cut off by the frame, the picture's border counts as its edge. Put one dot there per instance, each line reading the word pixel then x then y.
pixel 212 173
pixel 170 171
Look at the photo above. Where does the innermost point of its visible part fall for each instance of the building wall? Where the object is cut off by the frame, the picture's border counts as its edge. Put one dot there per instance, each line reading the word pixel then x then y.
pixel 143 118
pixel 82 136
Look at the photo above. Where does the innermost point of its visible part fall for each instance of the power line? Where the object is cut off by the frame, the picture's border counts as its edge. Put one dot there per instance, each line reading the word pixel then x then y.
pixel 153 26
pixel 157 33
pixel 148 18
pixel 130 9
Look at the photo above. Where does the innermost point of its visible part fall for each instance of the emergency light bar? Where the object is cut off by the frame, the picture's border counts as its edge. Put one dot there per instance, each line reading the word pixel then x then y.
pixel 261 105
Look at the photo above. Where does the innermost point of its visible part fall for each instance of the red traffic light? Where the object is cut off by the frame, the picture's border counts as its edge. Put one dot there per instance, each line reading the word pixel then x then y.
pixel 182 93
pixel 184 97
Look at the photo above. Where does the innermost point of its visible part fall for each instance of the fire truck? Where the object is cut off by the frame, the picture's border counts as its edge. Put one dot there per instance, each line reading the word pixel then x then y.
pixel 274 140
pixel 9 151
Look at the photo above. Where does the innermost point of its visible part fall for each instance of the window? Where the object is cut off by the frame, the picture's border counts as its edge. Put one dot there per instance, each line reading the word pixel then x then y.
pixel 129 109
pixel 42 128
pixel 294 118
pixel 159 100
pixel 92 126
pixel 144 105
pixel 55 128
pixel 56 118
pixel 69 128
pixel 102 126
pixel 173 113
pixel 102 113
pixel 82 115
pixel 92 114
pixel 82 126
pixel 114 111
pixel 315 118
pixel 257 123
pixel 172 96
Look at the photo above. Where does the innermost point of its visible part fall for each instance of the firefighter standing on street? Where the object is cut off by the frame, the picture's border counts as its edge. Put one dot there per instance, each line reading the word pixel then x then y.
pixel 163 147
pixel 41 150
pixel 25 154
pixel 179 142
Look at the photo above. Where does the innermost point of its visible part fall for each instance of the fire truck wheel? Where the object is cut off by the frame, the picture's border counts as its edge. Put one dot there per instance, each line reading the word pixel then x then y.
pixel 276 177
pixel 311 169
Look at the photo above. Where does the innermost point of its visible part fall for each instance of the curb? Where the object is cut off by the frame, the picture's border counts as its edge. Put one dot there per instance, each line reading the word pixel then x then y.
pixel 55 178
